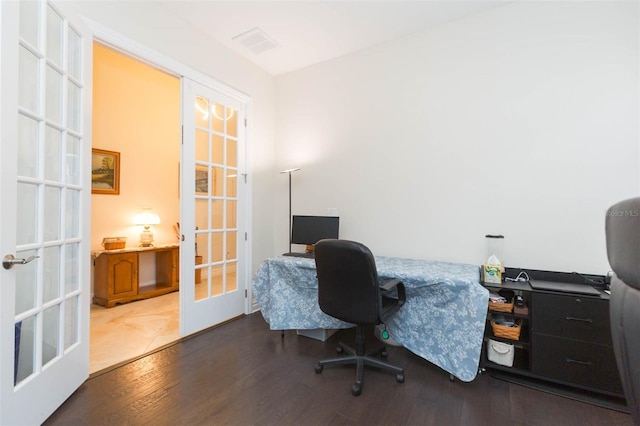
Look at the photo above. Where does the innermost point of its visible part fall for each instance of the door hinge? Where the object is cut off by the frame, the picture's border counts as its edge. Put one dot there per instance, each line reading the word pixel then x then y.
pixel 245 236
pixel 182 237
pixel 245 122
pixel 182 135
pixel 246 294
pixel 245 177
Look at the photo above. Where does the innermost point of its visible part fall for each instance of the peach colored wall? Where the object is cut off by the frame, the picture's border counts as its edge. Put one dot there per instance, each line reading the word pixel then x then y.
pixel 136 112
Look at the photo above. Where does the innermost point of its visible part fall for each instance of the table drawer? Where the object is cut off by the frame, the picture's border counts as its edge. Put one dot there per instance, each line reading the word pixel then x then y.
pixel 571 316
pixel 585 364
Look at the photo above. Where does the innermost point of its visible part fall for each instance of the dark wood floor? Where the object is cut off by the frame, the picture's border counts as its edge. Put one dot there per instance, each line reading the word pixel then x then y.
pixel 243 374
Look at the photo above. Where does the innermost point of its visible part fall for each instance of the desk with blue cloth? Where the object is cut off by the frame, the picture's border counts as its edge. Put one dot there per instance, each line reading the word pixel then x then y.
pixel 442 320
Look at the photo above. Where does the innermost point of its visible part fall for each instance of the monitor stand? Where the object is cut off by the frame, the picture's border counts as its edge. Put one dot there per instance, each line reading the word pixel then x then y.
pixel 308 253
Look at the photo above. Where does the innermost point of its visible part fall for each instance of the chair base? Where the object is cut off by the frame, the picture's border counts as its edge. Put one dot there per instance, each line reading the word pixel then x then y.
pixel 360 359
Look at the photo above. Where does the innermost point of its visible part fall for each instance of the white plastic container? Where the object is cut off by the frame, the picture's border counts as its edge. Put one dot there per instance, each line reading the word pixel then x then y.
pixel 500 352
pixel 495 247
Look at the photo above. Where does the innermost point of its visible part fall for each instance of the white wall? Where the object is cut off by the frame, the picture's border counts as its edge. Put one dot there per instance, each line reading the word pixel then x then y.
pixel 522 120
pixel 149 24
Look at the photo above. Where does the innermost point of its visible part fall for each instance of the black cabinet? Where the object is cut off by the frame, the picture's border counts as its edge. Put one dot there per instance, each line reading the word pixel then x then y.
pixel 564 344
pixel 572 341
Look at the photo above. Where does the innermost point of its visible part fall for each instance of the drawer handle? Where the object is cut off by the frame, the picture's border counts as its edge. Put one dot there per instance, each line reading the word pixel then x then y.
pixel 575 361
pixel 589 320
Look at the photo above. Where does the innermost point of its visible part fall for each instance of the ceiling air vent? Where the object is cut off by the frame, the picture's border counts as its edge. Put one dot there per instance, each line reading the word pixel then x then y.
pixel 256 40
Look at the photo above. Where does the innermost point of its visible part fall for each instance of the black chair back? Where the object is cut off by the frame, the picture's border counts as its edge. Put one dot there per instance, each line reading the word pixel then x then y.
pixel 623 250
pixel 347 281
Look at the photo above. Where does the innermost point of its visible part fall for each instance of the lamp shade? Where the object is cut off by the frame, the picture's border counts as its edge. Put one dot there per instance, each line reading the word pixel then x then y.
pixel 146 217
pixel 295 169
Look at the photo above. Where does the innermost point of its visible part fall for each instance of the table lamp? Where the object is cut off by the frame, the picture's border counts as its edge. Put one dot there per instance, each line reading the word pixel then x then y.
pixel 146 218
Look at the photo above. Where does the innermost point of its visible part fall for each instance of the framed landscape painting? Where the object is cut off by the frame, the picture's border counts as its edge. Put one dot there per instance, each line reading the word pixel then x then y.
pixel 105 172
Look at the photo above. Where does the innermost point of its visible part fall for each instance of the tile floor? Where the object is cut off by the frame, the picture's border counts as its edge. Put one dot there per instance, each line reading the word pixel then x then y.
pixel 133 329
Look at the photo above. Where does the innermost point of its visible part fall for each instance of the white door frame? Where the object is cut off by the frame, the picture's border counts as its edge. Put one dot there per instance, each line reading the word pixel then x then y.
pixel 173 67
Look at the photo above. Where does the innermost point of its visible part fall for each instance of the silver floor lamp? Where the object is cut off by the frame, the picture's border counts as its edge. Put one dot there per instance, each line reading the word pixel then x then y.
pixel 289 171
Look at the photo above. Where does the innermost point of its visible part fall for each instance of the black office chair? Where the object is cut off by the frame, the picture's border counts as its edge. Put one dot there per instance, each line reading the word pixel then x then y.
pixel 623 249
pixel 349 289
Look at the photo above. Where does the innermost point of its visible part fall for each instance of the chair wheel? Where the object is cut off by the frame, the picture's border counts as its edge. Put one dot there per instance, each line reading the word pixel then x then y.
pixel 384 354
pixel 319 368
pixel 356 390
pixel 339 350
pixel 400 378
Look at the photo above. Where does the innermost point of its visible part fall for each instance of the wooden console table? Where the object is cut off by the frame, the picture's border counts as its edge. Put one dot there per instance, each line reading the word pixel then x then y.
pixel 116 278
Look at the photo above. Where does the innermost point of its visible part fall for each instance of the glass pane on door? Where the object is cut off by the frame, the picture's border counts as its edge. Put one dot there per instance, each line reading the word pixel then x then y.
pixel 53 104
pixel 73 160
pixel 50 320
pixel 24 352
pixel 231 277
pixel 74 54
pixel 53 141
pixel 29 71
pixel 50 273
pixel 27 276
pixel 29 19
pixel 54 36
pixel 71 322
pixel 27 225
pixel 27 148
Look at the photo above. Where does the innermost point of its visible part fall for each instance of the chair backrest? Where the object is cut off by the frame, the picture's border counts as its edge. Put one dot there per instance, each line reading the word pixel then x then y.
pixel 622 228
pixel 347 281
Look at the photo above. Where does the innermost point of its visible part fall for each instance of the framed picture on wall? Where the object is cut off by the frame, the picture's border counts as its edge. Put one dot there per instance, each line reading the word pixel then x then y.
pixel 105 172
pixel 202 180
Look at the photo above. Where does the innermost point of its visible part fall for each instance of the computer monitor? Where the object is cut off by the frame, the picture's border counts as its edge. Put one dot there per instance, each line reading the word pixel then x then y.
pixel 309 230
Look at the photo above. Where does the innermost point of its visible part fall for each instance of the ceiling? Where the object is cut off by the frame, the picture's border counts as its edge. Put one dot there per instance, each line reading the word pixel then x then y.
pixel 310 32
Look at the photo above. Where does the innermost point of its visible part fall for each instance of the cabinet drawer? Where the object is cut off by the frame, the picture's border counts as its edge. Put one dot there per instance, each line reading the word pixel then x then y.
pixel 580 363
pixel 574 317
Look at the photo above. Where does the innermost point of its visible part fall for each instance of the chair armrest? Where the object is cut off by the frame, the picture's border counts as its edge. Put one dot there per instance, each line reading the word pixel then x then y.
pixel 396 283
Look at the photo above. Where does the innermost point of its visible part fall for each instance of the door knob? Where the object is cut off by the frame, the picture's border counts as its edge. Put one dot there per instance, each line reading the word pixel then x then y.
pixel 10 260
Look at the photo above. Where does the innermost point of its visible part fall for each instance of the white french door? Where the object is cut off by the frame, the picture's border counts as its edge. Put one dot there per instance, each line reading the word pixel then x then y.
pixel 44 158
pixel 213 185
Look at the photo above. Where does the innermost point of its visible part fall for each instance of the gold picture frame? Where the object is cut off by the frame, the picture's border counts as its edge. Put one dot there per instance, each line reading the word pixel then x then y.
pixel 105 172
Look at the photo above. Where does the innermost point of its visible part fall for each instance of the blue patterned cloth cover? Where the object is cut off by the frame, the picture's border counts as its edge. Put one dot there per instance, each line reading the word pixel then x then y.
pixel 442 320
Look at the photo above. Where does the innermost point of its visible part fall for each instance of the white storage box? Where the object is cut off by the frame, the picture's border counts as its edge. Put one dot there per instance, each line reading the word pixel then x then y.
pixel 317 333
pixel 500 352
